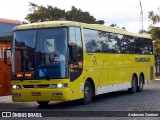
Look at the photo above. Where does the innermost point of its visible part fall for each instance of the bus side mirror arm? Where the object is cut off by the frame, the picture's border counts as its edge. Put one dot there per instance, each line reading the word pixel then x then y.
pixel 6 57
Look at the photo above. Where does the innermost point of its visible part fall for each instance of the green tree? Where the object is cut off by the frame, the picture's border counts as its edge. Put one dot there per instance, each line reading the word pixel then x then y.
pixel 41 13
pixel 114 25
pixel 155 31
pixel 49 13
pixel 78 15
pixel 154 18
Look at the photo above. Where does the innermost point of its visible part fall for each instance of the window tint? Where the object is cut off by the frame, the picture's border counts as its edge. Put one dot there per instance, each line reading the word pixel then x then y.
pixel 114 43
pixel 129 44
pixel 146 46
pixel 91 40
pixel 135 45
pixel 99 41
pixel 105 42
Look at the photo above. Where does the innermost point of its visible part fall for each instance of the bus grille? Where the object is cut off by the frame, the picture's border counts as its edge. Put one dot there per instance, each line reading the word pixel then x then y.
pixel 28 86
pixel 43 86
pixel 36 86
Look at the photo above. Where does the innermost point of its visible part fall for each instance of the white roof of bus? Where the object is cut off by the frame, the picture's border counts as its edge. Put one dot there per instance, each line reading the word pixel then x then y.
pixel 72 23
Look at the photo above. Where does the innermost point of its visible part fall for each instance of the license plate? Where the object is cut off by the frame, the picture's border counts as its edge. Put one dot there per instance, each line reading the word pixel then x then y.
pixel 36 94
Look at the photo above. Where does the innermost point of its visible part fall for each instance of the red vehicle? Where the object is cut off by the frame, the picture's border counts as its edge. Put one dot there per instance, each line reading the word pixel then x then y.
pixel 6 27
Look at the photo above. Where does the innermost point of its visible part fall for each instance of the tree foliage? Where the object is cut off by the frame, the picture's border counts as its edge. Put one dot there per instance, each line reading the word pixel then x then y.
pixel 155 31
pixel 153 17
pixel 116 26
pixel 50 13
pixel 41 13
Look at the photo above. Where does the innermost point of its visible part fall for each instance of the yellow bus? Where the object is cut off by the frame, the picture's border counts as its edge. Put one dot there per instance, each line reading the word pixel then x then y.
pixel 66 60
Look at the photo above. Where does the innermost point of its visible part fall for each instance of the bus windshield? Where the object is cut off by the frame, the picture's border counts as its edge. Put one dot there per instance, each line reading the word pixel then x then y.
pixel 41 53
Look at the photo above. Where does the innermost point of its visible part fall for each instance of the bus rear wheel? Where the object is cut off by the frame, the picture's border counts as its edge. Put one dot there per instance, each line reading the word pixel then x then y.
pixel 140 87
pixel 88 93
pixel 43 103
pixel 134 85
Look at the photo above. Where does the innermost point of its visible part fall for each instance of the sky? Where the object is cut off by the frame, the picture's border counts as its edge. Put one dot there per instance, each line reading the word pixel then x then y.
pixel 124 13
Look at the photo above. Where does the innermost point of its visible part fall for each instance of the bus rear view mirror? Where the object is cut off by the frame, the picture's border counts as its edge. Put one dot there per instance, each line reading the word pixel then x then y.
pixel 7 57
pixel 73 58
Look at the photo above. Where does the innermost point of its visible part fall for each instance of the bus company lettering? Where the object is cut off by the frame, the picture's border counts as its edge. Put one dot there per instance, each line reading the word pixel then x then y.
pixel 142 59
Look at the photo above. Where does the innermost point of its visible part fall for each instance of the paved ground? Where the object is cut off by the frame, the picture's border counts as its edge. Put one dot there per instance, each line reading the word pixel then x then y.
pixel 148 100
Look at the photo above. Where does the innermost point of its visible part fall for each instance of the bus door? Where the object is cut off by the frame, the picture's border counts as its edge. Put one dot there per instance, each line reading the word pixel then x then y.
pixel 75 53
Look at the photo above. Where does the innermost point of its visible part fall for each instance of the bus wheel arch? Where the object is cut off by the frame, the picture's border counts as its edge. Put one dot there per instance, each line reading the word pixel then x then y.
pixel 89 91
pixel 134 84
pixel 140 83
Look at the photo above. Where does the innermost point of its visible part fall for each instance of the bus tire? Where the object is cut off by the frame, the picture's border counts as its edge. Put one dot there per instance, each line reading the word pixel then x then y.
pixel 140 86
pixel 134 85
pixel 43 103
pixel 88 93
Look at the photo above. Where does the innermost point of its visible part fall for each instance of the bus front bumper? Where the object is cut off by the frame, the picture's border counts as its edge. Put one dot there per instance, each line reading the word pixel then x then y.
pixel 25 95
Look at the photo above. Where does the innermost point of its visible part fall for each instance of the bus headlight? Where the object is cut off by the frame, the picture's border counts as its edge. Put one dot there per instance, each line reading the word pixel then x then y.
pixel 16 87
pixel 62 85
pixel 59 85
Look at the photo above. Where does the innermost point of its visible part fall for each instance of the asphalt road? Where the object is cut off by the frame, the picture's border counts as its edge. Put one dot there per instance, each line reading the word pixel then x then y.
pixel 148 101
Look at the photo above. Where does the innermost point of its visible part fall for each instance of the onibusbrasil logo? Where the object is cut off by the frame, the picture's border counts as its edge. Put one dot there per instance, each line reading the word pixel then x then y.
pixel 21 114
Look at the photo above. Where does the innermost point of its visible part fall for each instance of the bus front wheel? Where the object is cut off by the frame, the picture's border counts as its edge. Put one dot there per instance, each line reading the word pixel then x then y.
pixel 88 93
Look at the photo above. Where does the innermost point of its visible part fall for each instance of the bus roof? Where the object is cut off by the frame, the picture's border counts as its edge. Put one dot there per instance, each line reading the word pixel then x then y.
pixel 48 24
pixel 4 20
